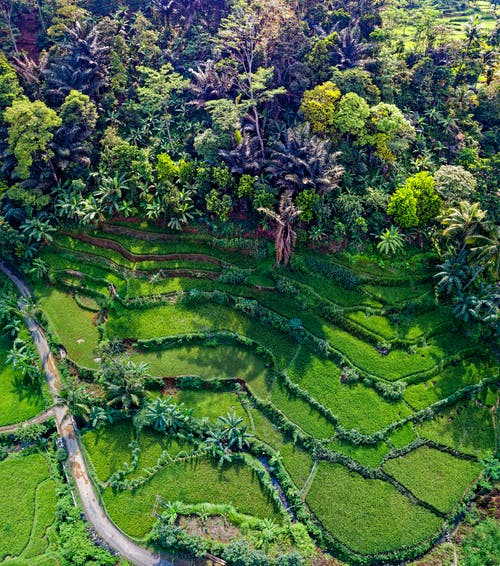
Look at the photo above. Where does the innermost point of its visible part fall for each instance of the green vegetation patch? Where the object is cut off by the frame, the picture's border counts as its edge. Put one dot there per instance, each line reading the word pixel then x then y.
pixel 464 427
pixel 73 326
pixel 20 475
pixel 453 378
pixel 18 401
pixel 367 515
pixel 223 361
pixel 370 455
pixel 301 412
pixel 355 405
pixel 195 480
pixel 433 476
pixel 168 320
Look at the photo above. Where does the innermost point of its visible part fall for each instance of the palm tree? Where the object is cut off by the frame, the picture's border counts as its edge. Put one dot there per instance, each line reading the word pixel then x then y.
pixel 285 237
pixel 234 432
pixel 304 161
pixel 452 274
pixel 124 381
pixel 391 241
pixel 485 251
pixel 350 51
pixel 37 230
pixel 165 415
pixel 463 221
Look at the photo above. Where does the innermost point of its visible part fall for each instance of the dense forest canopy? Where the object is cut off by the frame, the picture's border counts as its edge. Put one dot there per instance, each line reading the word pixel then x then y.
pixel 338 123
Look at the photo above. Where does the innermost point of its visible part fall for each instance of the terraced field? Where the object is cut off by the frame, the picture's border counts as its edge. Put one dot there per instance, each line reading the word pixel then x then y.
pixel 372 405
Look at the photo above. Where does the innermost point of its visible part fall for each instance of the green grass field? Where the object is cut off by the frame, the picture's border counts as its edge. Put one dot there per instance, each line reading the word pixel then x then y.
pixel 222 361
pixel 356 406
pixel 73 326
pixel 194 481
pixel 27 506
pixel 367 515
pixel 433 476
pixel 467 428
pixel 18 401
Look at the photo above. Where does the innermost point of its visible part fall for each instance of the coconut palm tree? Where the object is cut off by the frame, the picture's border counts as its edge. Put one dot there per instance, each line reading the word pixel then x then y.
pixel 391 241
pixel 285 237
pixel 304 161
pixel 452 275
pixel 463 221
pixel 485 251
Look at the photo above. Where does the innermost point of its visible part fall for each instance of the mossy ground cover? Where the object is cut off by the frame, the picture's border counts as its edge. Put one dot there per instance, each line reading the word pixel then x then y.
pixel 367 515
pixel 27 505
pixel 18 400
pixel 195 480
pixel 433 476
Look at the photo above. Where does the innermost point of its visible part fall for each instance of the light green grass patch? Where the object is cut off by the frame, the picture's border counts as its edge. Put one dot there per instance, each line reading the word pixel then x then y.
pixel 452 379
pixel 73 326
pixel 467 428
pixel 223 361
pixel 301 412
pixel 370 455
pixel 168 320
pixel 18 401
pixel 355 405
pixel 367 515
pixel 20 475
pixel 434 476
pixel 193 481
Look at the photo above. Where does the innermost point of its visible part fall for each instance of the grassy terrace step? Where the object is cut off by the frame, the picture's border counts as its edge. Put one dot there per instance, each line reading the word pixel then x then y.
pixel 71 325
pixel 193 481
pixel 20 476
pixel 367 515
pixel 146 263
pixel 171 320
pixel 435 477
pixel 467 428
pixel 356 406
pixel 136 247
pixel 223 361
pixel 18 401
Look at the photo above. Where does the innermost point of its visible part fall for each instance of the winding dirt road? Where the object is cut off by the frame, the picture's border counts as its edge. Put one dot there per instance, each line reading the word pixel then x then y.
pixel 66 429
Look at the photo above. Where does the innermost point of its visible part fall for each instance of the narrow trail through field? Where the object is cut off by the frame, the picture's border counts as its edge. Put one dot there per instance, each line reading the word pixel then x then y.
pixel 66 429
pixel 40 418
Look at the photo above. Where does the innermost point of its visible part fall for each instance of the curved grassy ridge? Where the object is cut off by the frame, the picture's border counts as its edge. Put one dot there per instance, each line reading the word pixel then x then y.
pixel 369 516
pixel 141 241
pixel 433 476
pixel 142 263
pixel 195 480
pixel 27 505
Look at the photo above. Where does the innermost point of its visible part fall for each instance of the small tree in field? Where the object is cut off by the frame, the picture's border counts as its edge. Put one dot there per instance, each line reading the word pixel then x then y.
pixel 285 236
pixel 391 241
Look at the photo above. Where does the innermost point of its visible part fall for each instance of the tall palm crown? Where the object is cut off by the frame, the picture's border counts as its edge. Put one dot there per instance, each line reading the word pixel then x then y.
pixel 303 161
pixel 285 236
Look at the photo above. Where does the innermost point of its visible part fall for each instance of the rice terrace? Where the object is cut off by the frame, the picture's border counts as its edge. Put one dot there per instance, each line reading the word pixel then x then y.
pixel 249 298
